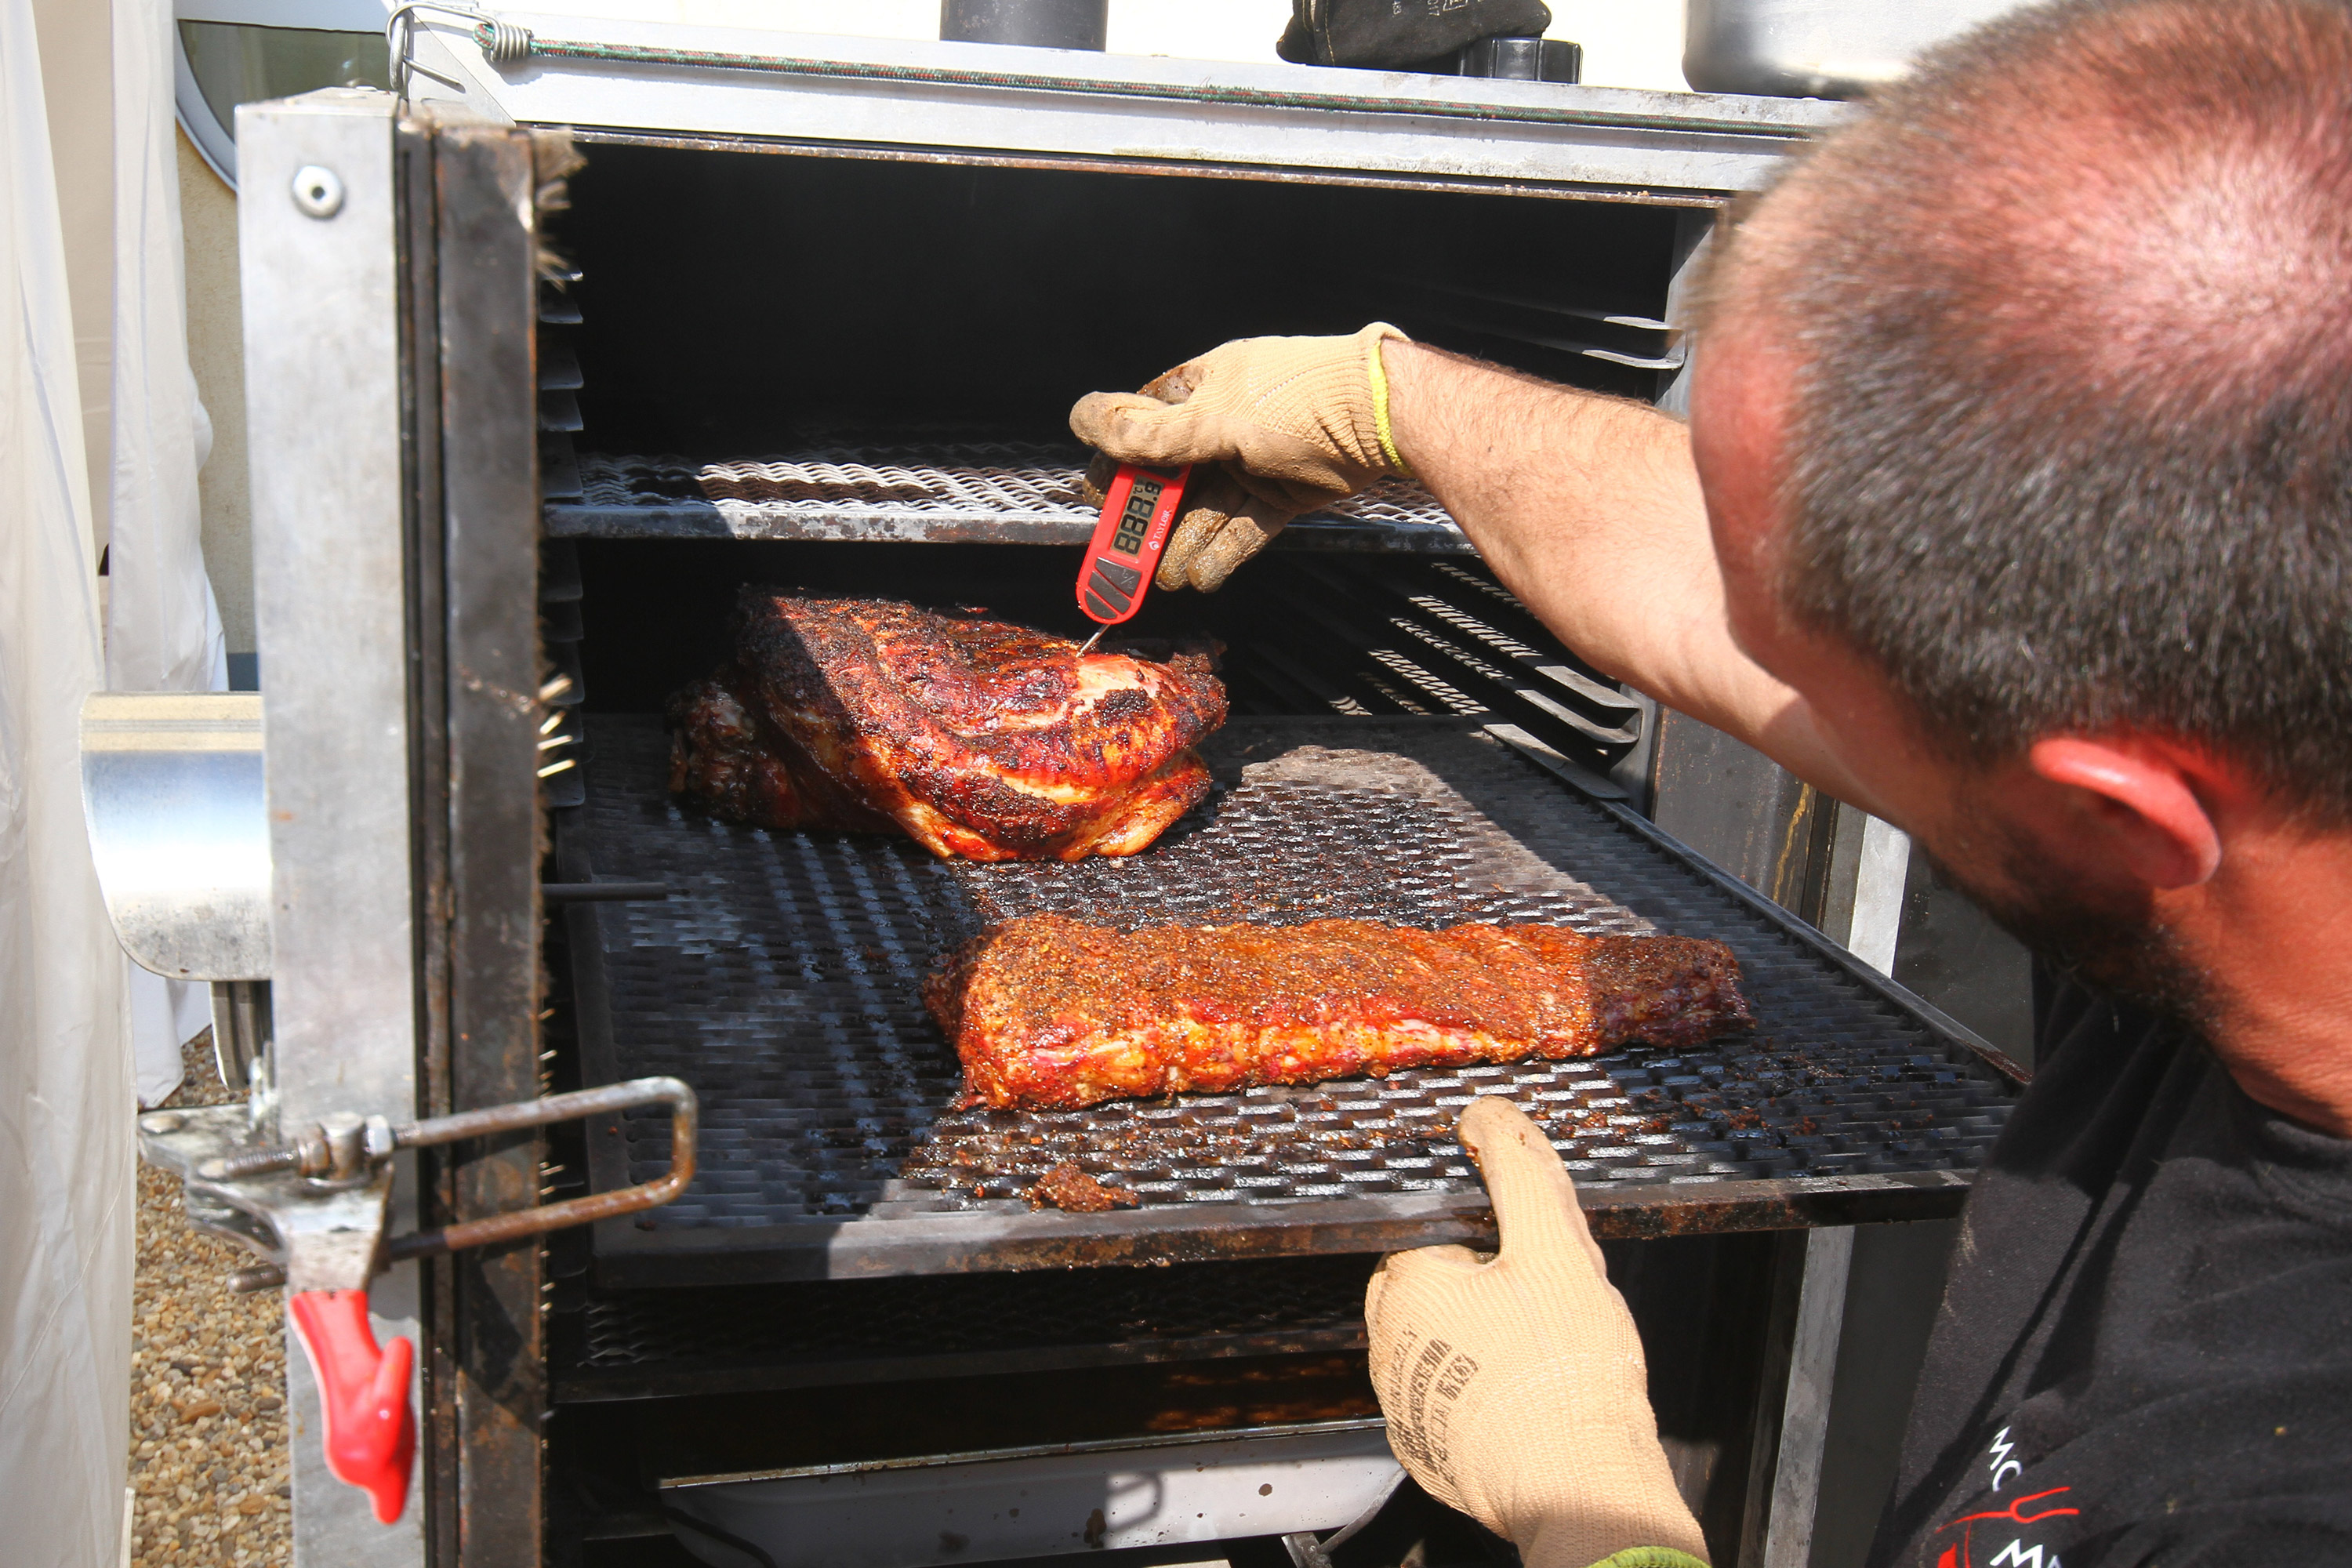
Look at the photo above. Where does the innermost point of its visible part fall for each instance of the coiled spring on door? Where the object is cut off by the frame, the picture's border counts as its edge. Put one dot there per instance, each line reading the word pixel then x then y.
pixel 504 42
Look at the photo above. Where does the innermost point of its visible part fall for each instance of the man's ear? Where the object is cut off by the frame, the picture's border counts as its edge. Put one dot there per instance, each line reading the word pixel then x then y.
pixel 2144 794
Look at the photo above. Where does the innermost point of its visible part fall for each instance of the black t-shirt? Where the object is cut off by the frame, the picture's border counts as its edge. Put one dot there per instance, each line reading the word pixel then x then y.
pixel 2144 1352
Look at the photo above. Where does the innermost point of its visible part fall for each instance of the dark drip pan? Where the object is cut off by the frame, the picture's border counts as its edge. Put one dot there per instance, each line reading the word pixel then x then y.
pixel 781 978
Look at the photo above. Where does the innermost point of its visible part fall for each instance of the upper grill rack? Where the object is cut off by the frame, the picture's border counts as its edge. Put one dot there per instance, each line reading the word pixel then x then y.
pixel 781 978
pixel 943 492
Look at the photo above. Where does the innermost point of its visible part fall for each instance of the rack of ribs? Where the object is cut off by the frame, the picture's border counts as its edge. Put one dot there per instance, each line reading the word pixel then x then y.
pixel 970 736
pixel 1050 1012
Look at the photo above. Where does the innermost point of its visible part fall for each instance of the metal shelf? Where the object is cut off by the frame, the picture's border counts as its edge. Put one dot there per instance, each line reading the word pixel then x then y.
pixel 994 493
pixel 783 976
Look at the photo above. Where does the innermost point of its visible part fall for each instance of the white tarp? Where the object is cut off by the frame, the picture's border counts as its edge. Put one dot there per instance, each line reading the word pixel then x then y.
pixel 163 630
pixel 65 1189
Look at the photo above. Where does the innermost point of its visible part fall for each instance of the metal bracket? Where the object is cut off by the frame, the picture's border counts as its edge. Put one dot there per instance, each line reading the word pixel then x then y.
pixel 172 794
pixel 314 1207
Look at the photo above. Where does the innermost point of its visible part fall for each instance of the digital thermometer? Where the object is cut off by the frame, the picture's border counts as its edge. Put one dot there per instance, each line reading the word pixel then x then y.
pixel 1137 512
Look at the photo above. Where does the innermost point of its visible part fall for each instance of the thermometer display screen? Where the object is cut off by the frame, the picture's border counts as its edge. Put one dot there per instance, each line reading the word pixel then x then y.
pixel 1133 522
pixel 1131 530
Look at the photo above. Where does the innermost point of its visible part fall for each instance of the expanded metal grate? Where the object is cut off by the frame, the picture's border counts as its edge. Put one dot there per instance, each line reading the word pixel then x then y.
pixel 782 979
pixel 995 490
pixel 780 1333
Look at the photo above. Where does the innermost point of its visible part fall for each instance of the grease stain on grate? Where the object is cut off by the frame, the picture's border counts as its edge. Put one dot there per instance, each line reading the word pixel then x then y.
pixel 782 976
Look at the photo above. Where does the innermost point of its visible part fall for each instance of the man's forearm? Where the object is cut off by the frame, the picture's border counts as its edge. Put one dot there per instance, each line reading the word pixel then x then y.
pixel 1588 508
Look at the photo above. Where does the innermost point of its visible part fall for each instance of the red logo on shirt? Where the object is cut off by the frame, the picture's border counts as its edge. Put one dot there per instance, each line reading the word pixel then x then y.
pixel 1961 1553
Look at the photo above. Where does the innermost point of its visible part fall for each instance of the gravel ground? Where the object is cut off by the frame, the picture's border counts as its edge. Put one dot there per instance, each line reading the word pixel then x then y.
pixel 207 1386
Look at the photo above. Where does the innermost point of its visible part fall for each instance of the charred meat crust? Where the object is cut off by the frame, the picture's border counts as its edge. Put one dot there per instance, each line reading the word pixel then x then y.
pixel 1048 1012
pixel 975 736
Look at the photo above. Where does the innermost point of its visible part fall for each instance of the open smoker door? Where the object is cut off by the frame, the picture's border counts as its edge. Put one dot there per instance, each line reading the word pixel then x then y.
pixel 387 263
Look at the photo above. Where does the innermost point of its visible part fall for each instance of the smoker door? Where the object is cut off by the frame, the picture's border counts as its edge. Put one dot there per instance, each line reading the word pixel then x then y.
pixel 387 268
pixel 327 407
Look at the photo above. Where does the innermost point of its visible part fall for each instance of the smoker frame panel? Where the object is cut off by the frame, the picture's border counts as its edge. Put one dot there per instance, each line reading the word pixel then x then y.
pixel 1162 114
pixel 484 180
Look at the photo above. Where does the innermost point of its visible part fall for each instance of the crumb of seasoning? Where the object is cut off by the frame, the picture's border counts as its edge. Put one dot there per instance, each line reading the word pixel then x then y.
pixel 1071 1190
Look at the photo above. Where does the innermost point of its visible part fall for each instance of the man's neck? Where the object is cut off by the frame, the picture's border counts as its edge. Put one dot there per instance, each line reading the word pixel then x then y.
pixel 2274 932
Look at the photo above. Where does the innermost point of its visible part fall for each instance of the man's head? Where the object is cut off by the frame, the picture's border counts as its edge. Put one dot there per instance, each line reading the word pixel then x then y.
pixel 2034 388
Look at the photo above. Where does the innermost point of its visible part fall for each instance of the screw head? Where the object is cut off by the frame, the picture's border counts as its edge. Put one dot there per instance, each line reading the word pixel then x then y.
pixel 318 191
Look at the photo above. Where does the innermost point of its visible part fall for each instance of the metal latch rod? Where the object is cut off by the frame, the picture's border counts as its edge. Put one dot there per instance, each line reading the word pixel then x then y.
pixel 344 1148
pixel 315 1206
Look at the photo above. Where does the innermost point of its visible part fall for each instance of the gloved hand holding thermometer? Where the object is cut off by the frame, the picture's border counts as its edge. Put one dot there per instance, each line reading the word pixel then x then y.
pixel 1514 1385
pixel 1272 427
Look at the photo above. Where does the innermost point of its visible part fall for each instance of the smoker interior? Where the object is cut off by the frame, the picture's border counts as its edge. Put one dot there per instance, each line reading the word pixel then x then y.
pixel 772 346
pixel 736 303
pixel 768 365
pixel 780 979
pixel 782 976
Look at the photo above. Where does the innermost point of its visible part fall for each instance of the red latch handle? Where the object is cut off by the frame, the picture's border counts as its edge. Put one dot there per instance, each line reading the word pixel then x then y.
pixel 370 1435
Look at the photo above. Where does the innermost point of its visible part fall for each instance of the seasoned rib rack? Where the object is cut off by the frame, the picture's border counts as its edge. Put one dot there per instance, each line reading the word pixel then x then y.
pixel 1052 1014
pixel 781 978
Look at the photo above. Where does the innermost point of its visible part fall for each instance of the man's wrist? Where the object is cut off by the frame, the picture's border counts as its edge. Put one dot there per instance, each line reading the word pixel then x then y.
pixel 1553 1550
pixel 1400 384
pixel 1600 1537
pixel 1376 369
pixel 1650 1557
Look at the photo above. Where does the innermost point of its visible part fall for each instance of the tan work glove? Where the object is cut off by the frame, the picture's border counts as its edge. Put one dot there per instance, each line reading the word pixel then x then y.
pixel 1291 423
pixel 1513 1385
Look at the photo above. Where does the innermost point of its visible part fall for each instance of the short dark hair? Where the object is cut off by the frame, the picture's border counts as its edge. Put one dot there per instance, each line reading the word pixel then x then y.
pixel 2071 448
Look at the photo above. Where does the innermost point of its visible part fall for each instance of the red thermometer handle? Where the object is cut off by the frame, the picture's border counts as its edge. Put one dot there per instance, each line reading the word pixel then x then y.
pixel 1138 512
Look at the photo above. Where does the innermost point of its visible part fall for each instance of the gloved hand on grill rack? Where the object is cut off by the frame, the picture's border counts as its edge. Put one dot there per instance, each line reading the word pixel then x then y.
pixel 1513 1385
pixel 1291 424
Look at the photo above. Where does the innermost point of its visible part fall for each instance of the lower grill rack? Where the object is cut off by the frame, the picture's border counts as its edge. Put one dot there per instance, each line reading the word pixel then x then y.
pixel 627 1344
pixel 782 976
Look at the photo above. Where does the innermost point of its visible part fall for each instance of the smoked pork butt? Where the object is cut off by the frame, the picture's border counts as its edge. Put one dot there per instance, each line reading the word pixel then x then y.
pixel 1050 1012
pixel 970 736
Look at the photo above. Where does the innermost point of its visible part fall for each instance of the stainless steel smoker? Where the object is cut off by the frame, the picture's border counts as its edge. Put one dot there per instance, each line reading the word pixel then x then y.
pixel 629 1121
